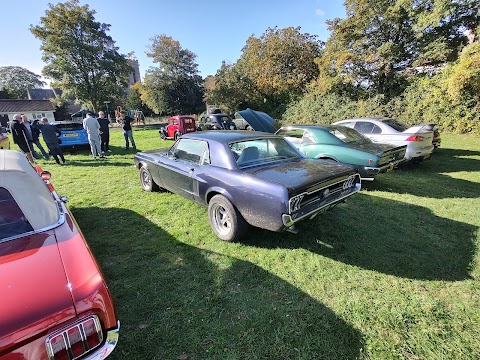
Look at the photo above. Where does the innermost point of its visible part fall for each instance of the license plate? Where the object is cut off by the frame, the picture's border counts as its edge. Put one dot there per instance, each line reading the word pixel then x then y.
pixel 70 135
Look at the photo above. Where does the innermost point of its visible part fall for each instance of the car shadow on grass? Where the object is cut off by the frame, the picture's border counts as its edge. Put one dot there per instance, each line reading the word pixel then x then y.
pixel 177 301
pixel 395 238
pixel 431 178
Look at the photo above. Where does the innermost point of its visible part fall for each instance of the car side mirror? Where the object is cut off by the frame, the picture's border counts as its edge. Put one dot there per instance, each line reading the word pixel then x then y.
pixel 64 198
pixel 171 155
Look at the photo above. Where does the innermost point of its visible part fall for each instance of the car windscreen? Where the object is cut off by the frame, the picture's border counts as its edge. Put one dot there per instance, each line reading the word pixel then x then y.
pixel 254 152
pixel 347 135
pixel 397 125
pixel 70 127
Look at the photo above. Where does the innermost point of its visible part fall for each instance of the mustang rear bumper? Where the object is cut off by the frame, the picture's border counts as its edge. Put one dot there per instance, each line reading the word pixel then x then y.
pixel 315 207
pixel 372 170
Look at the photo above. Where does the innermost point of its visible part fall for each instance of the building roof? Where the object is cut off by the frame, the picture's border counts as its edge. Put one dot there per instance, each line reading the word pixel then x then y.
pixel 19 106
pixel 43 94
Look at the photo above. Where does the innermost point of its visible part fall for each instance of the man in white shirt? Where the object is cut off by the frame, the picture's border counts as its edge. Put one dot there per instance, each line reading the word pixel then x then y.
pixel 92 127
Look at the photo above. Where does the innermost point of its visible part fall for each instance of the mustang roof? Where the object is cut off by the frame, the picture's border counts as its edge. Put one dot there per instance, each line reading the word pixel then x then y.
pixel 28 189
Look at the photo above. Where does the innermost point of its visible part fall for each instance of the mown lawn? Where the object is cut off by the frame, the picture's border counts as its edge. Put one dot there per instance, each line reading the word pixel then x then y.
pixel 392 274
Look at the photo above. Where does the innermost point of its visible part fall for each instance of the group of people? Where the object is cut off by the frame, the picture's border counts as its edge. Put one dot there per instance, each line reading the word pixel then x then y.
pixel 26 134
pixel 99 133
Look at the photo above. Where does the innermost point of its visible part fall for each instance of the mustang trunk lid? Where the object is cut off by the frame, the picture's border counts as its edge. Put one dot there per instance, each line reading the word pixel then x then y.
pixel 34 292
pixel 300 174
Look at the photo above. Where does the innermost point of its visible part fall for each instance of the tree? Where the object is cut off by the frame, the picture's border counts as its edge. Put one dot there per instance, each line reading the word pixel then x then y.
pixel 134 100
pixel 229 88
pixel 174 87
pixel 15 80
pixel 379 40
pixel 81 58
pixel 279 65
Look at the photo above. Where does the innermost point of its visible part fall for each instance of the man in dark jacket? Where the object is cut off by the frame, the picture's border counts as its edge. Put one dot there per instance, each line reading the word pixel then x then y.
pixel 126 122
pixel 104 131
pixel 19 135
pixel 50 135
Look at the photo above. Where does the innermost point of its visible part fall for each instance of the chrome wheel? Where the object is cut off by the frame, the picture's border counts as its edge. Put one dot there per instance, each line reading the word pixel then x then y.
pixel 221 220
pixel 226 222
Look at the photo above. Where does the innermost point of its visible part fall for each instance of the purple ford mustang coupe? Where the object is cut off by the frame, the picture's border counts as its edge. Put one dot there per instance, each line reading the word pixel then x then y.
pixel 247 178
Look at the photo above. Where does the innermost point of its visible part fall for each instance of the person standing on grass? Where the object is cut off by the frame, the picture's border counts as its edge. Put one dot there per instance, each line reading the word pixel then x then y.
pixel 29 134
pixel 104 131
pixel 50 135
pixel 126 122
pixel 19 135
pixel 35 137
pixel 91 125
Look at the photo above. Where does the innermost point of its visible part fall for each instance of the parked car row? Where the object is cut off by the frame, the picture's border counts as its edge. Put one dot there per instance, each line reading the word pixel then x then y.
pixel 372 145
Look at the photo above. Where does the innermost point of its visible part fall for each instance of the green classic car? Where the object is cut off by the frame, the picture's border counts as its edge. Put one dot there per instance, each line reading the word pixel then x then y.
pixel 342 144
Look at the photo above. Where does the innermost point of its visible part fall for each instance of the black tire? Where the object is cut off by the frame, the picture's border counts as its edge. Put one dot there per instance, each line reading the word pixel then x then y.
pixel 162 135
pixel 226 222
pixel 176 136
pixel 146 180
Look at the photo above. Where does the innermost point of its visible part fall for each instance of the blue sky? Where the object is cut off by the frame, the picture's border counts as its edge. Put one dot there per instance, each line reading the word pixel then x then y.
pixel 215 30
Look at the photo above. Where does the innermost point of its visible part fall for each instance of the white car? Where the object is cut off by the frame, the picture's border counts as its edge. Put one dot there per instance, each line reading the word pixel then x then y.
pixel 391 131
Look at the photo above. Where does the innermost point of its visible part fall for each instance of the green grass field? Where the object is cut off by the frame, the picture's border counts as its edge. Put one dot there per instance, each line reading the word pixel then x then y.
pixel 392 274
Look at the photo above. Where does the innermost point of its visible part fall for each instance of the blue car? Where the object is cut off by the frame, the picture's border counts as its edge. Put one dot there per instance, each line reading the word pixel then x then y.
pixel 247 178
pixel 73 134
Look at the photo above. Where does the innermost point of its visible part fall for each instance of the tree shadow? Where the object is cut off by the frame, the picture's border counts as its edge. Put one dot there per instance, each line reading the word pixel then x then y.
pixel 403 240
pixel 430 179
pixel 178 301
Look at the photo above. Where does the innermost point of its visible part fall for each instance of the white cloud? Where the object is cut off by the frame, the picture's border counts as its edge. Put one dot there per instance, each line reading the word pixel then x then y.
pixel 319 12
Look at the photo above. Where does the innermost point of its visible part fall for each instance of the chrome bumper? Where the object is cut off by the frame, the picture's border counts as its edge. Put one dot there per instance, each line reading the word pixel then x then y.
pixel 107 348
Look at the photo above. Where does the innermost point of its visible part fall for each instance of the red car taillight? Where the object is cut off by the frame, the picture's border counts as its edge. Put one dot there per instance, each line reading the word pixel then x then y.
pixel 76 340
pixel 415 138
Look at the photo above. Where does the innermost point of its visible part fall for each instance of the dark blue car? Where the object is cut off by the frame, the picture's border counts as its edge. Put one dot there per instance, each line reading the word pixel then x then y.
pixel 247 178
pixel 73 134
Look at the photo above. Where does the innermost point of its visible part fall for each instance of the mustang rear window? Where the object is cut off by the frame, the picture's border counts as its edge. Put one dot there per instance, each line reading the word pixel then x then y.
pixel 12 219
pixel 260 151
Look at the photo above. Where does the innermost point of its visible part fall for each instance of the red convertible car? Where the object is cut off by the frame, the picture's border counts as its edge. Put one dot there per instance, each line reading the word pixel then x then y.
pixel 54 302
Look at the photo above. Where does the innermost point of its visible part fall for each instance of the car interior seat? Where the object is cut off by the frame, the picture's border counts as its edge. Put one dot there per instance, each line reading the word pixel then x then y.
pixel 248 154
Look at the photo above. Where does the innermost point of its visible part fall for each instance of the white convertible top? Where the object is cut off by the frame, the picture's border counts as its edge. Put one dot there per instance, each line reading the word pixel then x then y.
pixel 28 189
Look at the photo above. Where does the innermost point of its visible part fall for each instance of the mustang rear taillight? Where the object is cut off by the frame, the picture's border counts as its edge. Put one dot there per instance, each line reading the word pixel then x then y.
pixel 415 138
pixel 76 340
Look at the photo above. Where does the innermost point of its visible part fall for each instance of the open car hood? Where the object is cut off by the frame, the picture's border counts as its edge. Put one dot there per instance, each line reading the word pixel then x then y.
pixel 259 121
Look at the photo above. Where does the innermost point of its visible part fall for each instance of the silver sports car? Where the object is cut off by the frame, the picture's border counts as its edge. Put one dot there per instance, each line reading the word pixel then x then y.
pixel 391 131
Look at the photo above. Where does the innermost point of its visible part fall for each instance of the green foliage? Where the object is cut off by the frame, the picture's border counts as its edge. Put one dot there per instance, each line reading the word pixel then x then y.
pixel 272 71
pixel 15 80
pixel 134 100
pixel 174 87
pixel 370 50
pixel 81 58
